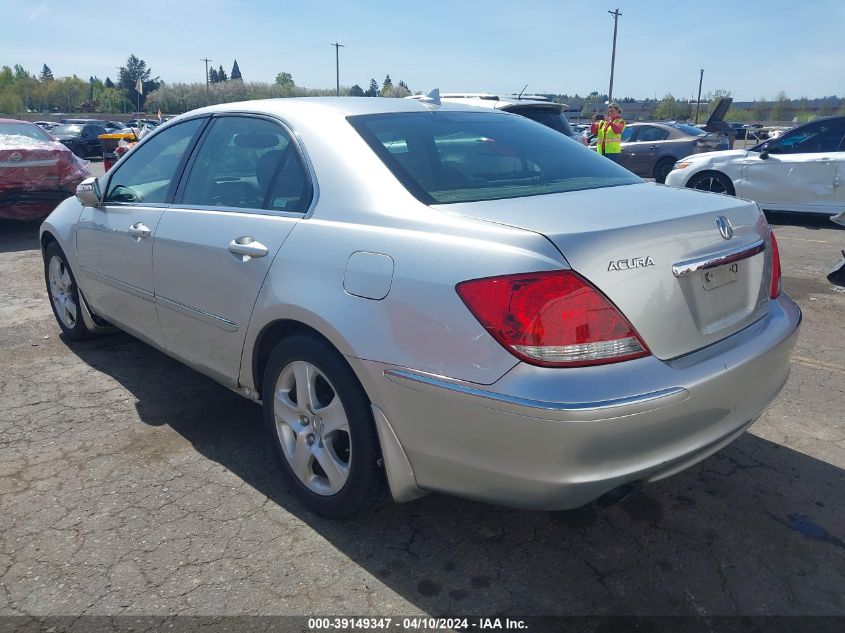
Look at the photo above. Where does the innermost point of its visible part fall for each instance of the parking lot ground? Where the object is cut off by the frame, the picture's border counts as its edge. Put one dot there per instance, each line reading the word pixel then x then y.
pixel 129 484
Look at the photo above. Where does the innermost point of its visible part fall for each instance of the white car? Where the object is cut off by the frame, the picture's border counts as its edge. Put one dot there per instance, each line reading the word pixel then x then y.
pixel 802 170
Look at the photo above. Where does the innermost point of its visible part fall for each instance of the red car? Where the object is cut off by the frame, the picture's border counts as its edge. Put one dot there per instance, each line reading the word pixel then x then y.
pixel 36 171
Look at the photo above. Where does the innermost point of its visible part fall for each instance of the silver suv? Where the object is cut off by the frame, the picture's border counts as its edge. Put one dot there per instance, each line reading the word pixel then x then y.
pixel 535 107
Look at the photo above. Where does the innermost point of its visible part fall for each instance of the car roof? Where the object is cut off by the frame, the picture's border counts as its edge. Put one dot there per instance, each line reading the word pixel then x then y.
pixel 16 121
pixel 337 106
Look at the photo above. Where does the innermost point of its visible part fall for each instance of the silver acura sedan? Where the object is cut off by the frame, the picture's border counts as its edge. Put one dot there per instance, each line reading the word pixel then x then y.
pixel 433 297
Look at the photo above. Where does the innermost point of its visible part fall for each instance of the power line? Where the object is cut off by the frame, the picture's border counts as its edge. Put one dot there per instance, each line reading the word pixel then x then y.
pixel 337 48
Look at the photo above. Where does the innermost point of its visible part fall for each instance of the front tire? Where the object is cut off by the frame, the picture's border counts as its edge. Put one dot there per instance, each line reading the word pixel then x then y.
pixel 64 294
pixel 713 181
pixel 321 424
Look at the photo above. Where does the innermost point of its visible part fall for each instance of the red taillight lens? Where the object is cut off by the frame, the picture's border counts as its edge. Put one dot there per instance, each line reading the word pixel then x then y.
pixel 553 319
pixel 774 288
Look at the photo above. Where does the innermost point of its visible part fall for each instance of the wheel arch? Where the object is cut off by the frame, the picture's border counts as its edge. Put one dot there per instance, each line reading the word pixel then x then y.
pixel 271 335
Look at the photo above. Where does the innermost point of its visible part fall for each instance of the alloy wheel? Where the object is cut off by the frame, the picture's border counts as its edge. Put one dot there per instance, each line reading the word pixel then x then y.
pixel 312 427
pixel 62 292
pixel 712 184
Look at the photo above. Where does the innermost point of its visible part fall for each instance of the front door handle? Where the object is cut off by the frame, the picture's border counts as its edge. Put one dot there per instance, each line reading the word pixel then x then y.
pixel 139 231
pixel 246 248
pixel 653 147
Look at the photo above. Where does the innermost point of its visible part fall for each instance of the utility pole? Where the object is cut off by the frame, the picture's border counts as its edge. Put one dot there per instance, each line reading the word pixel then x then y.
pixel 615 15
pixel 337 48
pixel 698 103
pixel 206 60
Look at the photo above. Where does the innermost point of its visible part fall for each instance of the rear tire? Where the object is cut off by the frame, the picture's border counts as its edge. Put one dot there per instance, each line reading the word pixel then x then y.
pixel 321 425
pixel 64 294
pixel 662 169
pixel 712 181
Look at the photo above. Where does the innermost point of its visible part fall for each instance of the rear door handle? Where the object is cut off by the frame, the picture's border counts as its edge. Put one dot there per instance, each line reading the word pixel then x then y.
pixel 246 248
pixel 139 230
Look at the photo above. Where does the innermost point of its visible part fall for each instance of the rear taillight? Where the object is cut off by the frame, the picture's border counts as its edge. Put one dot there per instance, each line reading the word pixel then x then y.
pixel 774 287
pixel 552 319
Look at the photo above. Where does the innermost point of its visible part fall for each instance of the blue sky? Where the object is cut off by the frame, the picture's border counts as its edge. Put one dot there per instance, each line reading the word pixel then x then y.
pixel 752 48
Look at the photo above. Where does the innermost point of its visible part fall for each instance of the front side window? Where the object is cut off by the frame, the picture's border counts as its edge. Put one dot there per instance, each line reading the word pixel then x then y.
pixel 147 172
pixel 628 133
pixel 817 137
pixel 247 163
pixel 447 157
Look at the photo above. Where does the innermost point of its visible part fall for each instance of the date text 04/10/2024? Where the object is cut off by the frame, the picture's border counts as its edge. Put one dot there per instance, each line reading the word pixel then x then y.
pixel 415 623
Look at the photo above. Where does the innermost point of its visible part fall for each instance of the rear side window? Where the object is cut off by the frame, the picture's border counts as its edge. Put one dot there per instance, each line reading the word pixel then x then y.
pixel 447 157
pixel 247 163
pixel 651 133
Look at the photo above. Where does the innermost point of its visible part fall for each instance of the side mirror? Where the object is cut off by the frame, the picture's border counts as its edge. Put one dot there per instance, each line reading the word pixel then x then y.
pixel 88 192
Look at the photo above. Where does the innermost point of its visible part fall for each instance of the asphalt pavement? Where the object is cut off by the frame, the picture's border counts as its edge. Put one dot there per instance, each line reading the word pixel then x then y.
pixel 130 484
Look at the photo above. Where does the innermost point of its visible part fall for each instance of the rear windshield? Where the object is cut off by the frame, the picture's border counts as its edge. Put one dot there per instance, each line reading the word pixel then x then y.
pixel 691 130
pixel 550 117
pixel 446 157
pixel 23 129
pixel 72 129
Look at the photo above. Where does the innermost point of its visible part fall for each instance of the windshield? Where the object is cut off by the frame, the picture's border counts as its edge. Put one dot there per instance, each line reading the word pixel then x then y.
pixel 67 130
pixel 447 157
pixel 24 129
pixel 691 130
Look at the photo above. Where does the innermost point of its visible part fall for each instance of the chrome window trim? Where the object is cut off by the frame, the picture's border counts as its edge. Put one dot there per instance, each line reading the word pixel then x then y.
pixel 653 399
pixel 196 313
pixel 296 215
pixel 690 266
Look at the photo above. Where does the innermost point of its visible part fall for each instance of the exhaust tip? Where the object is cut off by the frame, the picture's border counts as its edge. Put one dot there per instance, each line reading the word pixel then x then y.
pixel 614 496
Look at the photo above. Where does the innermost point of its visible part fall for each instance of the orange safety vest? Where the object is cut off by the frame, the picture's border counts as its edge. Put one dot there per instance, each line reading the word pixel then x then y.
pixel 608 141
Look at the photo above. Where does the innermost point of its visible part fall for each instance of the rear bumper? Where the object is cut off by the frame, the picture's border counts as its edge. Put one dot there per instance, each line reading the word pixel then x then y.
pixel 20 204
pixel 552 439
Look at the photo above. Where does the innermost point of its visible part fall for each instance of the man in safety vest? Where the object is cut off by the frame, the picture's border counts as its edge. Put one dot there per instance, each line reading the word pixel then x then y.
pixel 609 132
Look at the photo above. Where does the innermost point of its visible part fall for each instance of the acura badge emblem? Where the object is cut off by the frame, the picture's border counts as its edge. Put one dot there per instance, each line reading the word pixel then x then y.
pixel 725 228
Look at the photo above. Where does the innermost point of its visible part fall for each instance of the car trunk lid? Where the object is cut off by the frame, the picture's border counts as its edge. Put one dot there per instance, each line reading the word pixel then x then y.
pixel 25 167
pixel 645 247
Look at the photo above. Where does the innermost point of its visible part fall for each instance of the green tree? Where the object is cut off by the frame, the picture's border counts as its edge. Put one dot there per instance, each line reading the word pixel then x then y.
pixel 20 73
pixel 236 71
pixel 285 80
pixel 356 91
pixel 221 74
pixel 781 107
pixel 760 111
pixel 135 69
pixel 46 74
pixel 372 91
pixel 109 83
pixel 212 76
pixel 387 86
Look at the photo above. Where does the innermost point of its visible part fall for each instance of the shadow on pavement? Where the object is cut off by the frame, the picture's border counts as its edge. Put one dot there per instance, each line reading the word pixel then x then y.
pixel 17 235
pixel 755 529
pixel 810 221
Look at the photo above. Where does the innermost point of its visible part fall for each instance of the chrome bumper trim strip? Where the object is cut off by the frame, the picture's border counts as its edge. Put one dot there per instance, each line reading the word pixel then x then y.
pixel 654 399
